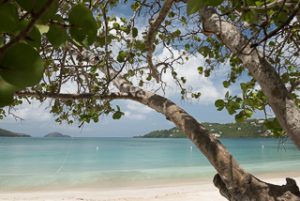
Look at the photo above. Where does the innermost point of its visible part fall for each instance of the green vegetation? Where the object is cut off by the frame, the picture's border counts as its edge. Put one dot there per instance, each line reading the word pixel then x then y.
pixel 56 134
pixel 6 133
pixel 250 128
pixel 44 43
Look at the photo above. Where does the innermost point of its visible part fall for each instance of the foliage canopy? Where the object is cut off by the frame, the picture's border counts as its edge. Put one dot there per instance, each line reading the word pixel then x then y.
pixel 46 45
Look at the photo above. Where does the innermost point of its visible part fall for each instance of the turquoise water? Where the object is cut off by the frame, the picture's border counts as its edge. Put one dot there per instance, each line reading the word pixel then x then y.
pixel 38 163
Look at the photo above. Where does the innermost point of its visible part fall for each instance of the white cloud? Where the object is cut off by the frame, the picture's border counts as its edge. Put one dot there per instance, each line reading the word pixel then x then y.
pixel 135 116
pixel 35 112
pixel 69 87
pixel 137 107
pixel 136 111
pixel 209 88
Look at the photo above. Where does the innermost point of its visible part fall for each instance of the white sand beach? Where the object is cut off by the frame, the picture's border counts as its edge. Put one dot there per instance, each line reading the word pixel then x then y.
pixel 193 191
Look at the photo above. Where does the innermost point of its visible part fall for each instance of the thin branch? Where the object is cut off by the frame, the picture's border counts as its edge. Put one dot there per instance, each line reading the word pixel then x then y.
pixel 68 96
pixel 275 31
pixel 272 5
pixel 152 33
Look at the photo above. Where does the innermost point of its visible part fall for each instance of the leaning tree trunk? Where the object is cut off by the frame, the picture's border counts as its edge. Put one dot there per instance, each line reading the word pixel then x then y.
pixel 234 183
pixel 285 109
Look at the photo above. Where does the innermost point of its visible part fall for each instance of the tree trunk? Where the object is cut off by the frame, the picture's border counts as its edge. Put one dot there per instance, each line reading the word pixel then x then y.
pixel 234 183
pixel 257 190
pixel 285 109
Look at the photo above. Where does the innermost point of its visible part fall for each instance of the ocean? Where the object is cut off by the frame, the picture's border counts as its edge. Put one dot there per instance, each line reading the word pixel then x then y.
pixel 56 163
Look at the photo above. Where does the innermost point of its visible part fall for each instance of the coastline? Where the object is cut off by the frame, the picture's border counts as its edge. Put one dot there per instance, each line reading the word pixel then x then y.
pixel 177 191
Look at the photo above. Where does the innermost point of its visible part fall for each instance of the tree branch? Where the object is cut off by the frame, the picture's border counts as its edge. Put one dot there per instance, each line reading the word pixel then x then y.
pixel 286 110
pixel 275 31
pixel 151 36
pixel 67 96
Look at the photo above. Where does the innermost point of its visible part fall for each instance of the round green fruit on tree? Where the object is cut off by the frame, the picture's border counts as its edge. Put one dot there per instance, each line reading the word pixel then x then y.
pixel 22 66
pixel 6 93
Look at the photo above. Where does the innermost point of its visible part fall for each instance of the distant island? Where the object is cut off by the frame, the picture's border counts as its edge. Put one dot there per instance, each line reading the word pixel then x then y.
pixel 7 133
pixel 56 134
pixel 250 128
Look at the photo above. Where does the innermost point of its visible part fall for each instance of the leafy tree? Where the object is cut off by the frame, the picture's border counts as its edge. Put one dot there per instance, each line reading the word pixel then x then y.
pixel 46 45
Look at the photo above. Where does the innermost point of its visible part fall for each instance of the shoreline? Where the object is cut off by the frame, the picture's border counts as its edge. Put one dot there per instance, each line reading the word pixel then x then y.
pixel 202 189
pixel 107 185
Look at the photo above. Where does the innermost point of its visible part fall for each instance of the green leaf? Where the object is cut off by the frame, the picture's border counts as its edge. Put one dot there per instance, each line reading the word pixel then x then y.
pixel 35 6
pixel 220 104
pixel 6 93
pixel 57 35
pixel 204 50
pixel 273 125
pixel 200 69
pixel 8 17
pixel 117 115
pixel 140 45
pixel 31 5
pixel 281 17
pixel 135 6
pixel 101 41
pixel 116 25
pixel 248 112
pixel 194 6
pixel 122 56
pixel 232 106
pixel 34 37
pixel 207 72
pixel 21 65
pixel 226 84
pixel 259 3
pixel 212 2
pixel 244 87
pixel 196 95
pixel 1 41
pixel 240 117
pixel 134 32
pixel 272 43
pixel 250 16
pixel 83 25
pixel 42 28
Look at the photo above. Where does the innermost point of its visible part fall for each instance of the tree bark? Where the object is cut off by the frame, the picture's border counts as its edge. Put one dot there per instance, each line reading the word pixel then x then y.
pixel 285 109
pixel 234 183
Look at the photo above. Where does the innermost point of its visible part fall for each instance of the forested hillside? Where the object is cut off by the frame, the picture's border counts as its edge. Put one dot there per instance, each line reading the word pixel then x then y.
pixel 6 133
pixel 250 128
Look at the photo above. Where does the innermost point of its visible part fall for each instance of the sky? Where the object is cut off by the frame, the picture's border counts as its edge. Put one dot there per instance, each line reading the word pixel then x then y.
pixel 138 119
